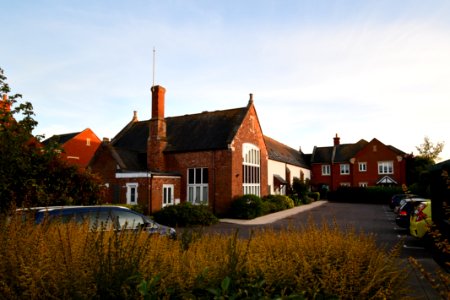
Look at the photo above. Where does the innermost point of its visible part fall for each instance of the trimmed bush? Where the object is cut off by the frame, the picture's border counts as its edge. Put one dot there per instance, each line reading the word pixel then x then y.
pixel 185 215
pixel 314 195
pixel 247 207
pixel 377 195
pixel 278 202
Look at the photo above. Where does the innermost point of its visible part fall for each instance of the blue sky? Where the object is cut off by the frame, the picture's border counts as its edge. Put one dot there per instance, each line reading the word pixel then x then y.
pixel 361 69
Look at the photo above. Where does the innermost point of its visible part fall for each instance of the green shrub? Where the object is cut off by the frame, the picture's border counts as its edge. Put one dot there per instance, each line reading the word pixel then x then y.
pixel 376 194
pixel 278 202
pixel 314 195
pixel 296 199
pixel 307 200
pixel 185 215
pixel 247 207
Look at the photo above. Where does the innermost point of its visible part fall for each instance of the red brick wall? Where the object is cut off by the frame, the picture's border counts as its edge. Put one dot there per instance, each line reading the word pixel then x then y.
pixel 317 178
pixel 374 152
pixel 218 174
pixel 78 147
pixel 224 166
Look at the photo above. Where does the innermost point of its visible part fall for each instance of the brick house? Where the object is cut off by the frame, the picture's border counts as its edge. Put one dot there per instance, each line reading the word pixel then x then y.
pixel 206 158
pixel 360 164
pixel 285 164
pixel 78 147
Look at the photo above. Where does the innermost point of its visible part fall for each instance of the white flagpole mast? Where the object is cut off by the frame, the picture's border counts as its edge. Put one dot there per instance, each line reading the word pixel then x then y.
pixel 154 54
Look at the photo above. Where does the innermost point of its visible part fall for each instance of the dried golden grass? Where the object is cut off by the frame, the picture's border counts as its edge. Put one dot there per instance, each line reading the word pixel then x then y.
pixel 68 261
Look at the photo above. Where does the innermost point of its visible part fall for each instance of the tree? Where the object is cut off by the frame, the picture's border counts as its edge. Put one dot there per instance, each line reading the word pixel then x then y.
pixel 429 150
pixel 32 174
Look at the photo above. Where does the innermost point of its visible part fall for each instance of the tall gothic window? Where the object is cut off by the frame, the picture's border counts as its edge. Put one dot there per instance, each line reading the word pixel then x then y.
pixel 251 173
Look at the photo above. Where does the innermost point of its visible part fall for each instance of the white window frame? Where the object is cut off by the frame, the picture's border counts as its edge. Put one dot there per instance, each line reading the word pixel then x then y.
pixel 326 170
pixel 386 167
pixel 363 184
pixel 132 198
pixel 346 184
pixel 345 169
pixel 251 169
pixel 362 167
pixel 166 201
pixel 198 189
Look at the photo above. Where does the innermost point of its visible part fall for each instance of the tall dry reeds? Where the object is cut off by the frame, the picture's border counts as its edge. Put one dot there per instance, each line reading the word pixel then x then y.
pixel 68 261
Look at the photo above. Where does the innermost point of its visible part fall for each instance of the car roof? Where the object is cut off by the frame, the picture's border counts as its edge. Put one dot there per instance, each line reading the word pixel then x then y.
pixel 71 207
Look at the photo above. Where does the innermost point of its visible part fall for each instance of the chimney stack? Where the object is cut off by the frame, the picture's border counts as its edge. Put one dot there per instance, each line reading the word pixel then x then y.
pixel 336 140
pixel 158 93
pixel 157 140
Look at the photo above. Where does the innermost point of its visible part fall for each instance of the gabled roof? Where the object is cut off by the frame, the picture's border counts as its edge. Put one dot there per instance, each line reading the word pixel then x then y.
pixel 282 153
pixel 204 131
pixel 338 153
pixel 60 138
pixel 197 132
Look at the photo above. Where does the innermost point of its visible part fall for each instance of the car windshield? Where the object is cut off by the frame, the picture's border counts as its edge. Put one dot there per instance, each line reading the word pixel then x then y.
pixel 129 219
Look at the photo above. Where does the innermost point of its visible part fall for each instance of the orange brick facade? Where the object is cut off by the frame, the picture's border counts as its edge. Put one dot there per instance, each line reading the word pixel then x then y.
pixel 363 168
pixel 80 149
pixel 225 165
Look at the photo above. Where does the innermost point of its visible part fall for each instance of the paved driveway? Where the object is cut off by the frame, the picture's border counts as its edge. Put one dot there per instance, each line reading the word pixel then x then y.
pixel 370 218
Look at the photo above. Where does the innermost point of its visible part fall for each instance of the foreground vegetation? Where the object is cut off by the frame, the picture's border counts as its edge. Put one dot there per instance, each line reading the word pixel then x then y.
pixel 69 262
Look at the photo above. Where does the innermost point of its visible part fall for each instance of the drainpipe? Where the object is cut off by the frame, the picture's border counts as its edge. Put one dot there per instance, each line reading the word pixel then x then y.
pixel 149 190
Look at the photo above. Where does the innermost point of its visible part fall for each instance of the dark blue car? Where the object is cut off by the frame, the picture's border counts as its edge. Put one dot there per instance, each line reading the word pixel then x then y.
pixel 105 217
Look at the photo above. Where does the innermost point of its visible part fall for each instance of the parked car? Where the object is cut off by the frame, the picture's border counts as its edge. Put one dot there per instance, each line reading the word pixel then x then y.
pixel 395 200
pixel 105 217
pixel 407 206
pixel 420 220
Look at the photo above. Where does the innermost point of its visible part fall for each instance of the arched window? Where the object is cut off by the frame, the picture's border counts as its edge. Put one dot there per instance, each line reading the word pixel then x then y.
pixel 251 175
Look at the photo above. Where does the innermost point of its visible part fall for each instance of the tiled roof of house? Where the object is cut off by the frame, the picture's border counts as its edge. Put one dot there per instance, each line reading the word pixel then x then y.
pixel 339 153
pixel 197 132
pixel 282 153
pixel 60 138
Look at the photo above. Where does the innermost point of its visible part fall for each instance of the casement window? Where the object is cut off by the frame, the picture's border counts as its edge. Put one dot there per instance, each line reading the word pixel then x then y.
pixel 132 193
pixel 198 185
pixel 345 169
pixel 326 170
pixel 167 195
pixel 251 173
pixel 363 184
pixel 347 184
pixel 385 167
pixel 362 166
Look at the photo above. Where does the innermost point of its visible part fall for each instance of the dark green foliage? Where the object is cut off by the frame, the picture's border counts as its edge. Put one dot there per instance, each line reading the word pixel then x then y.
pixel 247 207
pixel 277 202
pixel 378 195
pixel 300 187
pixel 314 195
pixel 185 215
pixel 32 174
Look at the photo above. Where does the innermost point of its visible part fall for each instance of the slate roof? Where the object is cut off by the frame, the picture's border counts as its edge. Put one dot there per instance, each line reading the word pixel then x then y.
pixel 197 132
pixel 282 153
pixel 339 153
pixel 60 138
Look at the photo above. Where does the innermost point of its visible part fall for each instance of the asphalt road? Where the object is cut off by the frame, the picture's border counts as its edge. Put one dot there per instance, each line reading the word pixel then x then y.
pixel 369 218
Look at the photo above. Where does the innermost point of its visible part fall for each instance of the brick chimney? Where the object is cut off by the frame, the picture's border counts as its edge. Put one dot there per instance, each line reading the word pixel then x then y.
pixel 157 139
pixel 336 140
